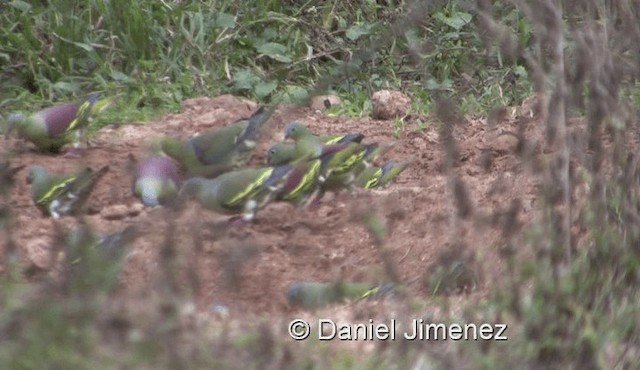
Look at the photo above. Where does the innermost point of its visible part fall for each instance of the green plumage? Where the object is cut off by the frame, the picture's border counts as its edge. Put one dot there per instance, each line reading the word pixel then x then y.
pixel 65 194
pixel 94 262
pixel 52 128
pixel 183 153
pixel 242 191
pixel 301 181
pixel 391 172
pixel 213 153
pixel 315 295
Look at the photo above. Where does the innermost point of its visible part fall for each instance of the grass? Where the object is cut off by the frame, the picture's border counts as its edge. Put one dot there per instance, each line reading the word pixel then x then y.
pixel 154 55
pixel 568 304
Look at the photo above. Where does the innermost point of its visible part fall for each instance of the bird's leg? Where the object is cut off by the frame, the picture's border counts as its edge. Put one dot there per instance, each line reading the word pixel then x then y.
pixel 77 150
pixel 249 210
pixel 53 209
pixel 238 221
pixel 315 202
pixel 73 153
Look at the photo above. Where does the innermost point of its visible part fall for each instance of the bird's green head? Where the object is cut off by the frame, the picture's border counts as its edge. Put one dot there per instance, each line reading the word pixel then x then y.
pixel 166 145
pixel 295 130
pixel 281 153
pixel 191 187
pixel 15 119
pixel 36 172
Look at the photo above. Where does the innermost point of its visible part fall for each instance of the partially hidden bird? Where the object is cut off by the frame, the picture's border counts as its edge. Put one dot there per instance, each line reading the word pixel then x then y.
pixel 52 128
pixel 157 180
pixel 379 177
pixel 241 191
pixel 314 295
pixel 210 154
pixel 309 175
pixel 59 195
pixel 94 261
pixel 7 175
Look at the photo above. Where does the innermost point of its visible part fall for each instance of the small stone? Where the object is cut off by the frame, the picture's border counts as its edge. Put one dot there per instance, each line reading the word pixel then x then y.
pixel 322 102
pixel 115 212
pixel 135 209
pixel 38 252
pixel 505 143
pixel 388 104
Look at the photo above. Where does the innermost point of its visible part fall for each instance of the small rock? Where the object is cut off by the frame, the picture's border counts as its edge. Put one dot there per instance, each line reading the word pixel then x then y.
pixel 38 252
pixel 135 209
pixel 505 143
pixel 389 104
pixel 195 104
pixel 114 212
pixel 322 102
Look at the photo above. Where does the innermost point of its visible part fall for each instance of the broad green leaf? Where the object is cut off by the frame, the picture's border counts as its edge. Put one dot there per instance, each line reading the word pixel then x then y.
pixel 66 86
pixel 245 79
pixel 413 39
pixel 21 5
pixel 275 51
pixel 225 20
pixel 520 71
pixel 263 89
pixel 356 31
pixel 456 21
pixel 292 94
pixel 119 76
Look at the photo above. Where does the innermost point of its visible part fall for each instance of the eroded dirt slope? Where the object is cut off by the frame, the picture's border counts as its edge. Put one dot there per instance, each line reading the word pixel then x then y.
pixel 248 268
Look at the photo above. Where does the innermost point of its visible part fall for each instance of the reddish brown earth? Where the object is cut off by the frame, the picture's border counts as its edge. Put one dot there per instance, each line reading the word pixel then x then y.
pixel 248 267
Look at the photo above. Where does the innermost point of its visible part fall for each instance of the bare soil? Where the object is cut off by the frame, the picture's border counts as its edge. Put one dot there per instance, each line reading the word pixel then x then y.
pixel 247 268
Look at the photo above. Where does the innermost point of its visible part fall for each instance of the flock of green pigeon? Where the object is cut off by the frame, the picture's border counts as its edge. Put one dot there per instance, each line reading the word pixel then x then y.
pixel 211 168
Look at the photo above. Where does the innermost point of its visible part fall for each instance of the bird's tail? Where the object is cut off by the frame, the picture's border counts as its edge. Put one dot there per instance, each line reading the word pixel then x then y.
pixel 351 138
pixel 92 180
pixel 249 137
pixel 390 171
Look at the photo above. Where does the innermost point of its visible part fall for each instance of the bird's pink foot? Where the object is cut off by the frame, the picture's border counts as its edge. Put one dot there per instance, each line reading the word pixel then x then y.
pixel 74 153
pixel 238 221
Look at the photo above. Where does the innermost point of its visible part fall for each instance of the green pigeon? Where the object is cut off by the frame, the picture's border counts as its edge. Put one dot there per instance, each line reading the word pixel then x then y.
pixel 300 182
pixel 379 177
pixel 340 157
pixel 283 153
pixel 390 171
pixel 307 144
pixel 52 128
pixel 212 153
pixel 94 262
pixel 237 192
pixel 343 173
pixel 58 195
pixel 157 180
pixel 310 175
pixel 315 295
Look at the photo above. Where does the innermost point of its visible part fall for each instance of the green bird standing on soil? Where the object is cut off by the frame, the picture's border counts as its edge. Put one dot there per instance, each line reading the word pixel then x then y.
pixel 379 177
pixel 58 195
pixel 157 180
pixel 238 192
pixel 52 128
pixel 212 153
pixel 93 261
pixel 315 295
